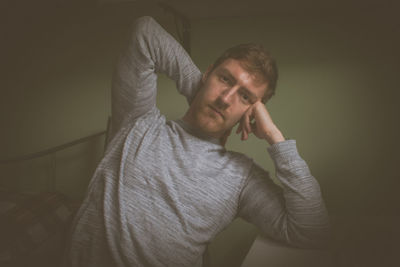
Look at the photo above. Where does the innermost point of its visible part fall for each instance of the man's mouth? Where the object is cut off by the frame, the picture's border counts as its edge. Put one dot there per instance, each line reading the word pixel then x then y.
pixel 216 111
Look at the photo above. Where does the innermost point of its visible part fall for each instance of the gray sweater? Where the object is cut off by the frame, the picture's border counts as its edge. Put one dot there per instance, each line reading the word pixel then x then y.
pixel 163 191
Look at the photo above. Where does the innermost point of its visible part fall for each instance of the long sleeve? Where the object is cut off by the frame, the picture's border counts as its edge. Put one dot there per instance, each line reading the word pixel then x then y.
pixel 150 50
pixel 294 213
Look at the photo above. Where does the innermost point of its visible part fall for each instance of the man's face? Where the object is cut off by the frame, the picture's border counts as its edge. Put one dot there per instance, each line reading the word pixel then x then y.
pixel 226 93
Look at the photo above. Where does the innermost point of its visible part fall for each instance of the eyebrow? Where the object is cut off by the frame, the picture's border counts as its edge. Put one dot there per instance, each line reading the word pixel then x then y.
pixel 230 76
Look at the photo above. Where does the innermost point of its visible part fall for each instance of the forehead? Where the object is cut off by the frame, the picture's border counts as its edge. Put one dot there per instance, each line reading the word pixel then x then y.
pixel 238 70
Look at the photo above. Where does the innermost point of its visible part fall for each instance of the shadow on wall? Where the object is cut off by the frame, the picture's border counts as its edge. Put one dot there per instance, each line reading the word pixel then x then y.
pixel 366 241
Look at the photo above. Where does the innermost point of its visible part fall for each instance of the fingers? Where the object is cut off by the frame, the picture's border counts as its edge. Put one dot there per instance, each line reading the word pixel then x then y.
pixel 245 125
pixel 255 120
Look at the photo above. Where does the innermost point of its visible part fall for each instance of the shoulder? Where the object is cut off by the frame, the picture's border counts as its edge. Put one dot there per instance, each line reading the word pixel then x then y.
pixel 238 157
pixel 238 163
pixel 249 169
pixel 151 117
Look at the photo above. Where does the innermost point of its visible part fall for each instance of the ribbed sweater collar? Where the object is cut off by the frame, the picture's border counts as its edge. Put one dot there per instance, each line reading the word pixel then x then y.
pixel 195 132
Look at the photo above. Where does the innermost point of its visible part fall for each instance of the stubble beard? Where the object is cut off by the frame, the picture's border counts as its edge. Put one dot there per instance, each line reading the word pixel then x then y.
pixel 209 122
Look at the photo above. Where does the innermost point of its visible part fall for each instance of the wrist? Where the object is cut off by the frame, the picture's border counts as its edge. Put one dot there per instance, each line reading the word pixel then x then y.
pixel 274 137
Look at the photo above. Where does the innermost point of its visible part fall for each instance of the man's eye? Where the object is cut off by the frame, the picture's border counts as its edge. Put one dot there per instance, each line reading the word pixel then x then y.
pixel 224 79
pixel 245 97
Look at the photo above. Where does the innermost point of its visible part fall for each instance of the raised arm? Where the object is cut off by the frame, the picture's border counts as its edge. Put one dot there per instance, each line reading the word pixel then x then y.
pixel 295 213
pixel 150 50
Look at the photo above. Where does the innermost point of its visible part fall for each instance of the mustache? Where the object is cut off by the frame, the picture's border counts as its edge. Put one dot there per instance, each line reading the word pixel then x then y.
pixel 217 109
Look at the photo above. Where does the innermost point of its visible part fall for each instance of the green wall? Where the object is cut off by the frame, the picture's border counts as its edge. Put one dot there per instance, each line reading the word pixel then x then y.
pixel 337 96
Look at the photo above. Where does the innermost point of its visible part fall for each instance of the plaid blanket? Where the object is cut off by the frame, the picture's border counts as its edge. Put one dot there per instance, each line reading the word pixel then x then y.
pixel 33 228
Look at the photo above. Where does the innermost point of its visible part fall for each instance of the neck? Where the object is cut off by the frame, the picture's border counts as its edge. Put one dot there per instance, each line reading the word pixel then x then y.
pixel 195 131
pixel 190 120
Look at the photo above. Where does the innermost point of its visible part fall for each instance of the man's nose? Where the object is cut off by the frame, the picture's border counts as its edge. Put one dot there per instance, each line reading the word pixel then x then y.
pixel 227 95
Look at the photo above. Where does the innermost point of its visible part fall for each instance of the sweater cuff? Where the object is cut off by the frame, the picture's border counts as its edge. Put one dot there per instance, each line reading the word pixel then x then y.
pixel 281 149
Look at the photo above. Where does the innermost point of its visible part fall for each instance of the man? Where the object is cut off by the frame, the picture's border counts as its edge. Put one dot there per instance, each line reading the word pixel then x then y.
pixel 165 189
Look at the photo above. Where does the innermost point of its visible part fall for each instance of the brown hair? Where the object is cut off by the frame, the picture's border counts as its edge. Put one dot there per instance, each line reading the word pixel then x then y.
pixel 256 60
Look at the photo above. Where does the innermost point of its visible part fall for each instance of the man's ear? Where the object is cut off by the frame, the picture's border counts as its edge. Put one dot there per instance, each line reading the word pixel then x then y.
pixel 206 73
